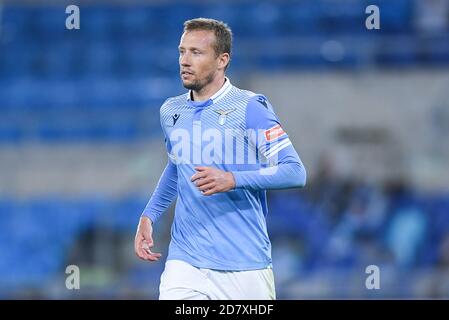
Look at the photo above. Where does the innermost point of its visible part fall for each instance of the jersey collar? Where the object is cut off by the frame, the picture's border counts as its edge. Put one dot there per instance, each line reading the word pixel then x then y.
pixel 227 86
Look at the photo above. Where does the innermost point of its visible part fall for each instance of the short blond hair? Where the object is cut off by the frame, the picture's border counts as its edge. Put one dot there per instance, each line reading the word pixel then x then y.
pixel 223 34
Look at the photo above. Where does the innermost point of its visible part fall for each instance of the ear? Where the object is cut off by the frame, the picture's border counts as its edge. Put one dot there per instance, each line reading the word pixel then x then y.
pixel 223 60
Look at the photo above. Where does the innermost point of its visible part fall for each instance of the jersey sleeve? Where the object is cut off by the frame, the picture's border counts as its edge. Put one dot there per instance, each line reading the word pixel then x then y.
pixel 281 166
pixel 164 193
pixel 272 142
pixel 166 188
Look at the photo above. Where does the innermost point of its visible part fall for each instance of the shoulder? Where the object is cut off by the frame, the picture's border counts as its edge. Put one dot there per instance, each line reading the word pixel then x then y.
pixel 256 106
pixel 259 111
pixel 174 102
pixel 257 103
pixel 242 94
pixel 247 98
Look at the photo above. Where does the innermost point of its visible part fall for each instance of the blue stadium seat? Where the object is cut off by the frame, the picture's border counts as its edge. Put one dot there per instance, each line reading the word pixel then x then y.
pixel 301 18
pixel 49 22
pixel 11 133
pixel 96 22
pixel 396 16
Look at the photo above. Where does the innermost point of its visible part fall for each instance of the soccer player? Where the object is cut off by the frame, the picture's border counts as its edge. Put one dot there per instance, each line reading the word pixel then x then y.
pixel 225 147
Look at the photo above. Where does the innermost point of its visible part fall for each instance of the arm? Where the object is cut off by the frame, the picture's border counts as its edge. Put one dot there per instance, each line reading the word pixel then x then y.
pixel 274 147
pixel 166 189
pixel 283 175
pixel 164 194
pixel 162 197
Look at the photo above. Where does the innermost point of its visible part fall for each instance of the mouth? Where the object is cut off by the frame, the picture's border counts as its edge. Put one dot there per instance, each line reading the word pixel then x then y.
pixel 186 73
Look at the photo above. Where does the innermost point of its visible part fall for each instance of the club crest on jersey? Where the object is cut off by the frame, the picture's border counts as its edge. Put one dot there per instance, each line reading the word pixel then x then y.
pixel 223 115
pixel 274 133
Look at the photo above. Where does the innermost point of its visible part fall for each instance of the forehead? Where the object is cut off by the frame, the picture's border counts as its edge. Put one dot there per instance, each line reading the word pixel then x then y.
pixel 198 39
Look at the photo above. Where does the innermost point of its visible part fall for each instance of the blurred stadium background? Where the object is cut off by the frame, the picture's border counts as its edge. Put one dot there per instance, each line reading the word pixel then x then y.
pixel 81 147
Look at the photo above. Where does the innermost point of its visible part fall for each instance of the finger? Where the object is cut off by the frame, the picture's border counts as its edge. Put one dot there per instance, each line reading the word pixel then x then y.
pixel 142 254
pixel 143 249
pixel 200 168
pixel 203 181
pixel 210 192
pixel 153 256
pixel 198 175
pixel 142 241
pixel 147 255
pixel 137 242
pixel 207 186
pixel 138 253
pixel 146 245
pixel 149 242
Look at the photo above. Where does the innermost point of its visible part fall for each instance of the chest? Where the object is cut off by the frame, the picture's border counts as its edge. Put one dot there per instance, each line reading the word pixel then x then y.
pixel 219 119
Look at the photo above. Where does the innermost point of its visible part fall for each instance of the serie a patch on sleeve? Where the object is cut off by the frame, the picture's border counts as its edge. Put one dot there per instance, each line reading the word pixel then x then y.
pixel 274 133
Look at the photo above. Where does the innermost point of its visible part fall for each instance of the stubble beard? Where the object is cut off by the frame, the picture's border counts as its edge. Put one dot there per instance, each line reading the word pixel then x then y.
pixel 198 85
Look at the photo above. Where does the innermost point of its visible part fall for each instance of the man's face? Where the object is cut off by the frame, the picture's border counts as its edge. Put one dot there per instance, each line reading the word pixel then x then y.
pixel 197 59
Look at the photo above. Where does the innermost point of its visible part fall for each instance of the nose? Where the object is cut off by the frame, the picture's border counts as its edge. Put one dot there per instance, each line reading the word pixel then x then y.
pixel 184 60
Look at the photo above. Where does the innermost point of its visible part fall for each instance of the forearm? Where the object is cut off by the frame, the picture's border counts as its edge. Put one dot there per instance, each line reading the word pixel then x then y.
pixel 164 194
pixel 281 176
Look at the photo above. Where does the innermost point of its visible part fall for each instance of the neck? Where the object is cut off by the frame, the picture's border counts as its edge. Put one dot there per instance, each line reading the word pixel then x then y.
pixel 209 90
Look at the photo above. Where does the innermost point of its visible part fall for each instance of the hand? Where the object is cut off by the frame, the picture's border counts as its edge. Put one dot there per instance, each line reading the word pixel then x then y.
pixel 211 180
pixel 144 241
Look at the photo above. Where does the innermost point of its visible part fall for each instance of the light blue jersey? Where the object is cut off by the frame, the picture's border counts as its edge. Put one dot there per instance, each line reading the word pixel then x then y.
pixel 235 130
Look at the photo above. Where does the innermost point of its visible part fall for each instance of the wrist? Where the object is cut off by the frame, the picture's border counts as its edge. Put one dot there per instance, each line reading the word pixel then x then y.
pixel 146 219
pixel 231 179
pixel 235 177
